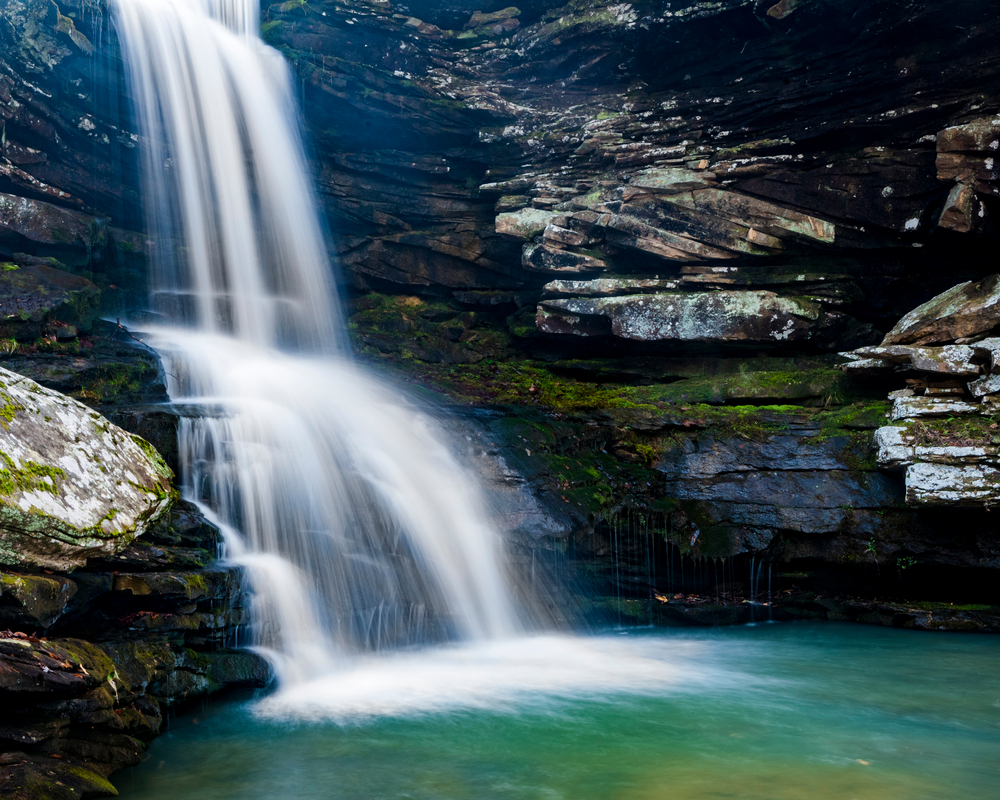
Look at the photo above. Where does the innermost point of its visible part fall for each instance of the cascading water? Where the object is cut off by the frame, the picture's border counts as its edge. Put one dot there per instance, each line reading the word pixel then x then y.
pixel 357 526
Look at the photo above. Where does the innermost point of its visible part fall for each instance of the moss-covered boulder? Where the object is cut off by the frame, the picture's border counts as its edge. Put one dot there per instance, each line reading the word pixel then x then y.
pixel 72 485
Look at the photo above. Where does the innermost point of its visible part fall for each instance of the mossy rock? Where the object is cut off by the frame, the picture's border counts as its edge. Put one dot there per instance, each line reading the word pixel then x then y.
pixel 72 484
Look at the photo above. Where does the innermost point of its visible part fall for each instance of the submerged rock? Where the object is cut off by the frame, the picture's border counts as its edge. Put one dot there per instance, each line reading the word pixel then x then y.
pixel 72 484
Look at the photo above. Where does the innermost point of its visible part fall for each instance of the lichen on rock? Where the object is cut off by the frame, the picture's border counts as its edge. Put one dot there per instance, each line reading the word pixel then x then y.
pixel 72 484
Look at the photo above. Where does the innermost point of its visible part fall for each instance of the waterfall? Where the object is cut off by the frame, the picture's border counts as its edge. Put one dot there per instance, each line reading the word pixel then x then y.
pixel 356 525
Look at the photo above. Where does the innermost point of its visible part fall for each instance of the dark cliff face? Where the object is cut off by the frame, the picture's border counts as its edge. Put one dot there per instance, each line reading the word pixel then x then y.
pixel 638 231
pixel 822 109
pixel 657 222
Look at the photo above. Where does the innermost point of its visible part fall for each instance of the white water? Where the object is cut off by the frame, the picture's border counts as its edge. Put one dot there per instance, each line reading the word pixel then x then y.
pixel 357 527
pixel 541 672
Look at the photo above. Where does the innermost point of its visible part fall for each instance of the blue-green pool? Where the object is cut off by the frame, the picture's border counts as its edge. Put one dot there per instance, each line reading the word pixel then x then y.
pixel 765 712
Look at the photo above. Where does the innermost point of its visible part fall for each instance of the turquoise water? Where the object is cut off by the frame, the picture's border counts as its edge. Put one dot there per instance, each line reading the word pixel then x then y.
pixel 772 711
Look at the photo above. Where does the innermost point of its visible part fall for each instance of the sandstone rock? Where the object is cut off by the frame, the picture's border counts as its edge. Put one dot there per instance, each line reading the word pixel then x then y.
pixel 24 220
pixel 753 316
pixel 542 258
pixel 770 218
pixel 979 135
pixel 989 351
pixel 608 287
pixel 950 485
pixel 959 212
pixel 556 233
pixel 964 310
pixel 524 224
pixel 625 230
pixel 954 359
pixel 73 485
pixel 671 180
pixel 912 407
pixel 894 451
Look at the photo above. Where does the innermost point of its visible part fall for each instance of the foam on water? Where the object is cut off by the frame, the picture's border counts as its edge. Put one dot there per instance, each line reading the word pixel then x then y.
pixel 505 675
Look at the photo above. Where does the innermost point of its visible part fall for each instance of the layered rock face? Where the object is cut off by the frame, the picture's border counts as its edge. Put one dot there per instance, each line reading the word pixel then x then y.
pixel 69 197
pixel 711 141
pixel 945 432
pixel 640 233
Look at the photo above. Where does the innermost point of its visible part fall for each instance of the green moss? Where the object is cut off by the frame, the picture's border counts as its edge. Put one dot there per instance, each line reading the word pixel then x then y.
pixel 6 266
pixel 154 456
pixel 271 32
pixel 29 477
pixel 860 455
pixel 196 583
pixel 624 606
pixel 116 381
pixel 953 431
pixel 9 408
pixel 756 385
pixel 856 416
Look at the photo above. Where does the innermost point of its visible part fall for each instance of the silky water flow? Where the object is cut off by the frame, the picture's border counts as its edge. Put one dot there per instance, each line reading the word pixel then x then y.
pixel 360 531
pixel 357 527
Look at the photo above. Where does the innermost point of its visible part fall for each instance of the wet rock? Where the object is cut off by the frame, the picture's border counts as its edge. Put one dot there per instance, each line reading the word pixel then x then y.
pixel 964 310
pixel 239 668
pixel 214 584
pixel 24 221
pixel 63 668
pixel 33 601
pixel 29 777
pixel 74 485
pixel 31 295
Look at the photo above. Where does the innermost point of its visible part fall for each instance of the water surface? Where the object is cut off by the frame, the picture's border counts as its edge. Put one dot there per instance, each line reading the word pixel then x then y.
pixel 766 712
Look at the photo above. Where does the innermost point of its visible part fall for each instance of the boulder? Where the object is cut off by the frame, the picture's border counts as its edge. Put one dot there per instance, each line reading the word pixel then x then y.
pixel 954 359
pixel 964 310
pixel 72 484
pixel 895 450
